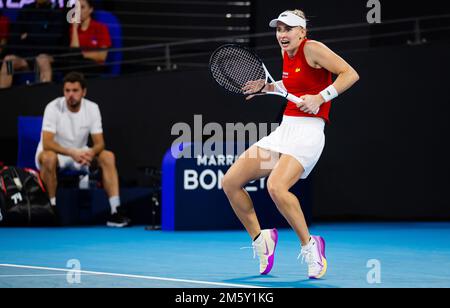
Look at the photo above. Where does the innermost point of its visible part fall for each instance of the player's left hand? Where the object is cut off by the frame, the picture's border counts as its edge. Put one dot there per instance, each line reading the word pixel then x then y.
pixel 88 155
pixel 254 86
pixel 311 103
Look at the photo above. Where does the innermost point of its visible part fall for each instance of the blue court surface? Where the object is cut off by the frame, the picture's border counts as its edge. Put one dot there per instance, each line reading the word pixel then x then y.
pixel 361 255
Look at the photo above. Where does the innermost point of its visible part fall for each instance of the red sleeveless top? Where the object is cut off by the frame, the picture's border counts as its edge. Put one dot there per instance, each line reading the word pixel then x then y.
pixel 300 79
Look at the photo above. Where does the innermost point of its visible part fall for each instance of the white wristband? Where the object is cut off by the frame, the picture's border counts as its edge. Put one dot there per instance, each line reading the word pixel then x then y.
pixel 329 93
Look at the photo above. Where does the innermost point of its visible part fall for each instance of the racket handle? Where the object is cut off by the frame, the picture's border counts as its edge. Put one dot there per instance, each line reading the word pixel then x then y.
pixel 294 99
pixel 298 100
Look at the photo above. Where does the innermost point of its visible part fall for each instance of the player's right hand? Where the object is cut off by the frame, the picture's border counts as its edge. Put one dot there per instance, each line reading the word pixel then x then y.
pixel 79 156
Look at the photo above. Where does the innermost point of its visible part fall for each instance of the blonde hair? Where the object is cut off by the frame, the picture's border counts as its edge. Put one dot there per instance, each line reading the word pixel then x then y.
pixel 299 13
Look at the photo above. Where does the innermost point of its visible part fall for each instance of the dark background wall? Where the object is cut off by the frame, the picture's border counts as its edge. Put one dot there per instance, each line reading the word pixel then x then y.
pixel 385 157
pixel 323 13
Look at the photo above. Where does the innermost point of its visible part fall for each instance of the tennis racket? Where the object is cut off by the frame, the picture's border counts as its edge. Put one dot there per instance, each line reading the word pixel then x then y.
pixel 235 67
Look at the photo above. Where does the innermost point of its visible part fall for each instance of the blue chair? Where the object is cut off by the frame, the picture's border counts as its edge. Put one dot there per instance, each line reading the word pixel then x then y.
pixel 115 31
pixel 29 134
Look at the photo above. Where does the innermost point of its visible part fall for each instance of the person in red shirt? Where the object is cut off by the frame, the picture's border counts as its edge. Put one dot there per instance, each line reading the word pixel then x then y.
pixel 90 36
pixel 290 152
pixel 4 31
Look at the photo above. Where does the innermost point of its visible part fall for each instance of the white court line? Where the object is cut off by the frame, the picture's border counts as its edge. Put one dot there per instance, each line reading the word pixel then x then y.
pixel 132 276
pixel 37 275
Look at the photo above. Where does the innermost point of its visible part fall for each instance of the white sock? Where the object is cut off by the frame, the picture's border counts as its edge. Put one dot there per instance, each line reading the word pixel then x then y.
pixel 114 202
pixel 259 240
pixel 53 201
pixel 311 242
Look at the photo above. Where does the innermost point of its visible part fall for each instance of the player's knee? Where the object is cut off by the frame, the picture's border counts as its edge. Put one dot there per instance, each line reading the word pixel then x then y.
pixel 228 184
pixel 275 189
pixel 107 158
pixel 49 160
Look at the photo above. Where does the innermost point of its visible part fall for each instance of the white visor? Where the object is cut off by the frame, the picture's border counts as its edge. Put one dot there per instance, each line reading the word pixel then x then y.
pixel 289 19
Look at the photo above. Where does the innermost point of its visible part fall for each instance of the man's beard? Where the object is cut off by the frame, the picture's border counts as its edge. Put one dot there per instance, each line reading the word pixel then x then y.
pixel 74 104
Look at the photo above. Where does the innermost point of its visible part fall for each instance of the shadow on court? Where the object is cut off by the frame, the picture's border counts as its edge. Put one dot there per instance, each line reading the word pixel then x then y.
pixel 269 282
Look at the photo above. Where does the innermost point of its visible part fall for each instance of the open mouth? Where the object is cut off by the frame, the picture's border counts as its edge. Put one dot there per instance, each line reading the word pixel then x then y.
pixel 284 43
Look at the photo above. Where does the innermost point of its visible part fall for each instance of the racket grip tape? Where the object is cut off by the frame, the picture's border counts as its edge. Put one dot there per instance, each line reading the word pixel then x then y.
pixel 297 100
pixel 294 99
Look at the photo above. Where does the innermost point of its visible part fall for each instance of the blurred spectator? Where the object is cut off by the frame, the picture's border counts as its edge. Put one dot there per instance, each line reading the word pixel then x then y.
pixel 4 32
pixel 39 33
pixel 90 36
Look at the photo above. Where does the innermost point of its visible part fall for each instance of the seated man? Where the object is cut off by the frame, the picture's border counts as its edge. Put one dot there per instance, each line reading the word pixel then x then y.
pixel 37 34
pixel 68 122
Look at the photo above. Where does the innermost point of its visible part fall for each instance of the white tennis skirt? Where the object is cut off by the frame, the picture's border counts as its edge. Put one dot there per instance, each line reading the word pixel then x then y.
pixel 300 137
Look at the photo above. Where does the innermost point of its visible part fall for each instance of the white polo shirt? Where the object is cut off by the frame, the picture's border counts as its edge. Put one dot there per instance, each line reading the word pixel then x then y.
pixel 71 129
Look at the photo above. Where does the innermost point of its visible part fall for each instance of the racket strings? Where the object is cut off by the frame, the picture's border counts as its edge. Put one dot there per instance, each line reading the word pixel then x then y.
pixel 233 66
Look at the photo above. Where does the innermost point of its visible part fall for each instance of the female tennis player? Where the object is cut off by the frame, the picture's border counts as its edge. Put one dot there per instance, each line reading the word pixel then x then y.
pixel 290 152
